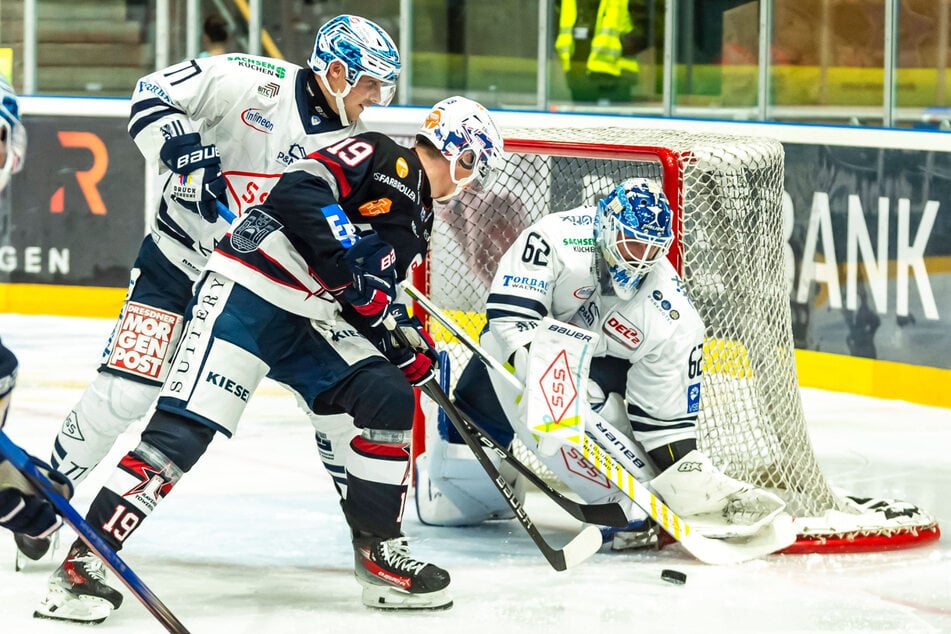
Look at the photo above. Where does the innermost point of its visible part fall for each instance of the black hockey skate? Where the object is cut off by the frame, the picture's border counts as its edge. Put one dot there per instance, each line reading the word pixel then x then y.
pixel 77 590
pixel 391 579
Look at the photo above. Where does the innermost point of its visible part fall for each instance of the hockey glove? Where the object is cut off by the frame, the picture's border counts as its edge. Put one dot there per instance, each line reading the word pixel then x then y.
pixel 372 262
pixel 23 511
pixel 419 361
pixel 197 182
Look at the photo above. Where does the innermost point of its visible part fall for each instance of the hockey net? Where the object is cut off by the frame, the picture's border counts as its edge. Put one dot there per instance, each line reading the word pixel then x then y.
pixel 726 193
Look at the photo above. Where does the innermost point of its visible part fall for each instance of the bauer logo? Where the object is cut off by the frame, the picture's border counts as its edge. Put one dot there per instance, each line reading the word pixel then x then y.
pixel 146 337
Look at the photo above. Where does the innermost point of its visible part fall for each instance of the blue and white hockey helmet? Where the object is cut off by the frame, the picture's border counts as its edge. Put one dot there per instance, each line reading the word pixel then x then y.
pixel 364 49
pixel 12 134
pixel 463 131
pixel 633 230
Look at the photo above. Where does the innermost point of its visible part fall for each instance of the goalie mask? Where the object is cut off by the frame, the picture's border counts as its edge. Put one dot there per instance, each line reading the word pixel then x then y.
pixel 633 230
pixel 12 134
pixel 463 132
pixel 364 49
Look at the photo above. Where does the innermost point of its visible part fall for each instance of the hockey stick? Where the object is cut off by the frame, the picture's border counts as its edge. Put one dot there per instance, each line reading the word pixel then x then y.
pixel 19 459
pixel 581 546
pixel 706 549
pixel 608 514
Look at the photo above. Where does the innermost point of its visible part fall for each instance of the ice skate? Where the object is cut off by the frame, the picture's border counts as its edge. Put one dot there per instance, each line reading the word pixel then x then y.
pixel 391 579
pixel 77 590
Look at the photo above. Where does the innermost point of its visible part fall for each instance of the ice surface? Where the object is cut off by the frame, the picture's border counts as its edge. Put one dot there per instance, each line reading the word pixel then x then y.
pixel 253 541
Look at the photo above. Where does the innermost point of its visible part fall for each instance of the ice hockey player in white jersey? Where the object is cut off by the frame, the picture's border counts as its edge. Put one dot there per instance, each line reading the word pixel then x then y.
pixel 222 129
pixel 293 293
pixel 604 269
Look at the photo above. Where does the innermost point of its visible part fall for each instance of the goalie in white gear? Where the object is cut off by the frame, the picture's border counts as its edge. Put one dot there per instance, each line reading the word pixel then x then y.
pixel 221 129
pixel 604 269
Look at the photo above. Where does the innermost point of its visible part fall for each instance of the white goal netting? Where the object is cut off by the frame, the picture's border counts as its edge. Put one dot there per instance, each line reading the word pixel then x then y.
pixel 726 192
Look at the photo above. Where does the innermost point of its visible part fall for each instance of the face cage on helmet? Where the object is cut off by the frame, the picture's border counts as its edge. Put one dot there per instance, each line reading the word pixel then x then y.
pixel 626 272
pixel 484 173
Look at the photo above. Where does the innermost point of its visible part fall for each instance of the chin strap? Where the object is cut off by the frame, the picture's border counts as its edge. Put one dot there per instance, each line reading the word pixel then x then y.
pixel 338 98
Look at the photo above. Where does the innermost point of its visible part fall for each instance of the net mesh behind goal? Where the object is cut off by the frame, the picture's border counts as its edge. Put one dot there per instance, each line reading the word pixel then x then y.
pixel 726 193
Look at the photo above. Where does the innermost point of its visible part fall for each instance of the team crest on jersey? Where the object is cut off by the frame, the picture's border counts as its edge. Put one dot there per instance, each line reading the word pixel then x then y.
pixel 376 207
pixel 252 230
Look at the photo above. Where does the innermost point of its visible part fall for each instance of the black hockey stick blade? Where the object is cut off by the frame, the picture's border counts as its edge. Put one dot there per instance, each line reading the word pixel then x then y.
pixel 607 514
pixel 581 546
pixel 19 459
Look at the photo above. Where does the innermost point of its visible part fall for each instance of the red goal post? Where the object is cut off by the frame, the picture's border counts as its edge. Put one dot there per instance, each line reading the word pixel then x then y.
pixel 726 194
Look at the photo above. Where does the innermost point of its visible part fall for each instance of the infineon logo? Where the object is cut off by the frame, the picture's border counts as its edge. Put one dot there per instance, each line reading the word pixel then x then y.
pixel 253 118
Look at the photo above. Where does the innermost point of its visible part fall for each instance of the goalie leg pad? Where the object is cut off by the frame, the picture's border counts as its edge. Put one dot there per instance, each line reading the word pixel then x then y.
pixel 452 488
pixel 105 410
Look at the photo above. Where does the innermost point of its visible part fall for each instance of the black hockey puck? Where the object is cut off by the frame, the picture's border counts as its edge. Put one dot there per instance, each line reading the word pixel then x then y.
pixel 673 576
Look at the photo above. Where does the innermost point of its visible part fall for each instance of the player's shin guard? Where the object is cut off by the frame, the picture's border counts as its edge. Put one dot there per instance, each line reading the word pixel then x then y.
pixel 77 590
pixel 106 409
pixel 377 475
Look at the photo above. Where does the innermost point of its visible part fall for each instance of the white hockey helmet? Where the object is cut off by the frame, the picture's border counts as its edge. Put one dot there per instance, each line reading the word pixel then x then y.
pixel 633 229
pixel 363 48
pixel 463 131
pixel 12 134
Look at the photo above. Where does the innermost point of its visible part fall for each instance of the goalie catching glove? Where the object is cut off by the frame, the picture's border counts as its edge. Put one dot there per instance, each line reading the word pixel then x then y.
pixel 419 361
pixel 372 263
pixel 197 183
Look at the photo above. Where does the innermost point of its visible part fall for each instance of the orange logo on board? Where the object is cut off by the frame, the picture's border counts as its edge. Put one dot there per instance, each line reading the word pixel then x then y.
pixel 402 169
pixel 376 207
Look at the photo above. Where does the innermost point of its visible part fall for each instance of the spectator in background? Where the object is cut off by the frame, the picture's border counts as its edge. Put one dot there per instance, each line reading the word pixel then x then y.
pixel 214 38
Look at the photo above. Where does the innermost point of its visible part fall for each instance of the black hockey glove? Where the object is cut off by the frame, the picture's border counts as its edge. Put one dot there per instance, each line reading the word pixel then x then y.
pixel 197 182
pixel 418 362
pixel 372 263
pixel 22 510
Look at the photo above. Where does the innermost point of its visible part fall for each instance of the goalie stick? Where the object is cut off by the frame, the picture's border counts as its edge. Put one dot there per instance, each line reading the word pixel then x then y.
pixel 706 549
pixel 19 459
pixel 581 546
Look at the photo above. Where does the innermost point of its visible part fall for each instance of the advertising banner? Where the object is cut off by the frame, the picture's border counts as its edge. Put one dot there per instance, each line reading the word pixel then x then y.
pixel 75 215
pixel 870 234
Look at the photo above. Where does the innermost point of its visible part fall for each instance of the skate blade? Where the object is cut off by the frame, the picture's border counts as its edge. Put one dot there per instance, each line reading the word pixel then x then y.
pixel 384 598
pixel 84 609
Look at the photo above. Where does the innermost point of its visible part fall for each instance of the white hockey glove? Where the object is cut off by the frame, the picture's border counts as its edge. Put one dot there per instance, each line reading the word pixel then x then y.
pixel 198 183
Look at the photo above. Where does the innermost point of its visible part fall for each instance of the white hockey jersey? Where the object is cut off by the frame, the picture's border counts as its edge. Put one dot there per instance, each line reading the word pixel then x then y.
pixel 263 114
pixel 553 268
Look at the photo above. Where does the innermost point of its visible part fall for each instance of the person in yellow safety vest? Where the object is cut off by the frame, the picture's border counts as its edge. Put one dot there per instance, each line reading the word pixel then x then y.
pixel 607 74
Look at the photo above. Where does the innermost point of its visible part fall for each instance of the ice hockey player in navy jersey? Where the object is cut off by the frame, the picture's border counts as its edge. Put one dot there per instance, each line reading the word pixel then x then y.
pixel 300 290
